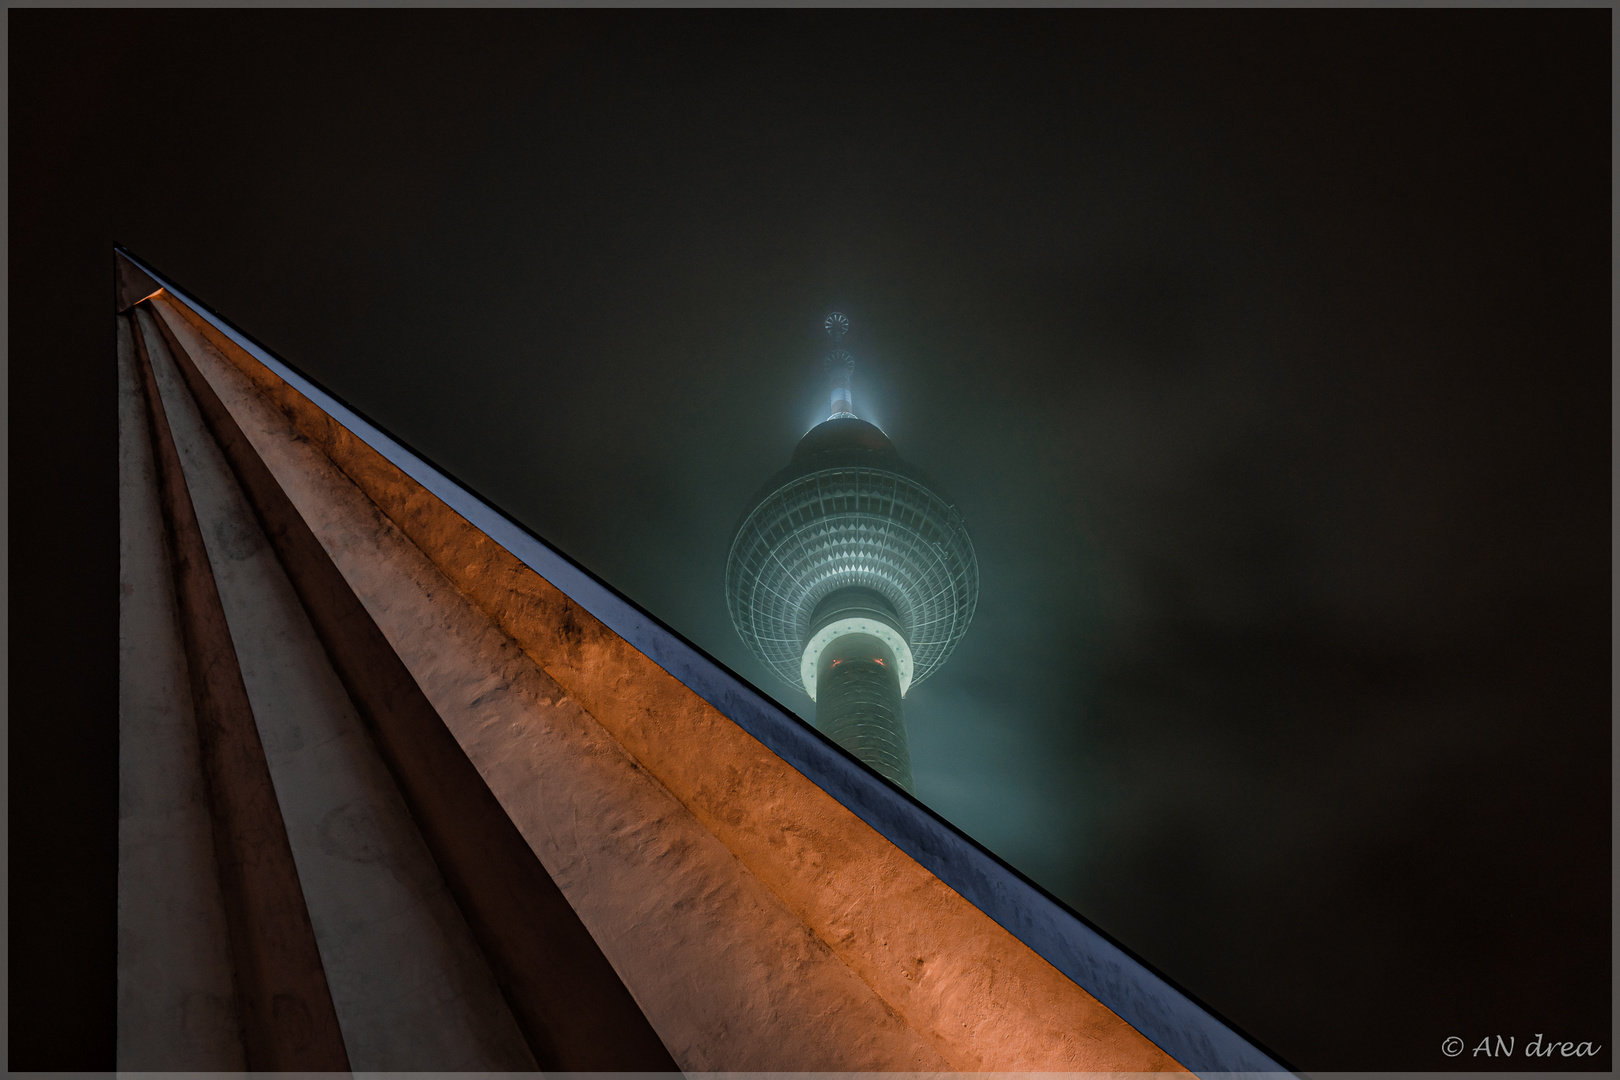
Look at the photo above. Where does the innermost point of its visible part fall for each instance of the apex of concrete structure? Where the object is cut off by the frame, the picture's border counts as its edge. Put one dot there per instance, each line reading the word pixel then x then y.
pixel 131 284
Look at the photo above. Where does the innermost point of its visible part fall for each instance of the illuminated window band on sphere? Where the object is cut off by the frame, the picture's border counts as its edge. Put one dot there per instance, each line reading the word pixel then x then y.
pixel 850 578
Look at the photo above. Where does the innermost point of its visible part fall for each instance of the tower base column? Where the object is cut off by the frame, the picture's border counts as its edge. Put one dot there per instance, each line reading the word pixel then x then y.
pixel 858 704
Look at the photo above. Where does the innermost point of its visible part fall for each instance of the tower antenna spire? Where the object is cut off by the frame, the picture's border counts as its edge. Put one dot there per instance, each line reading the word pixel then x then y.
pixel 840 368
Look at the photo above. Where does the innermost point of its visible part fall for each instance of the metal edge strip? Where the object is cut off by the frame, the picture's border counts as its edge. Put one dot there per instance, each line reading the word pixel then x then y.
pixel 1185 1029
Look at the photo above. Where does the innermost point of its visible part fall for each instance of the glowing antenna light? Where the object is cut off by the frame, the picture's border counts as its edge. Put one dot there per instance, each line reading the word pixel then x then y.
pixel 840 368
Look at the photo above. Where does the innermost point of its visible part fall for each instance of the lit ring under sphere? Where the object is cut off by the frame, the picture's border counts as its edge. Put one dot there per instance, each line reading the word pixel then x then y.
pixel 847 513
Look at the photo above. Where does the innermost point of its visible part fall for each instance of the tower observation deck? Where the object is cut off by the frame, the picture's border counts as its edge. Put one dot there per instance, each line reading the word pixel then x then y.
pixel 851 578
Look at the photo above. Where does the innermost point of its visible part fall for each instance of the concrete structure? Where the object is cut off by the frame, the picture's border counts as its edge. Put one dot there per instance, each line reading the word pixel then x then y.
pixel 403 789
pixel 851 578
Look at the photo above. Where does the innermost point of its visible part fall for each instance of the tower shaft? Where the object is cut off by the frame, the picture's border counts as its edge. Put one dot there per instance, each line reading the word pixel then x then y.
pixel 858 704
pixel 857 665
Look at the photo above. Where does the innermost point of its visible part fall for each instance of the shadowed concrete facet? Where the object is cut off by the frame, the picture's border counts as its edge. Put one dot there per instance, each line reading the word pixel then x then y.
pixel 323 867
pixel 410 987
pixel 284 1003
pixel 564 995
pixel 176 994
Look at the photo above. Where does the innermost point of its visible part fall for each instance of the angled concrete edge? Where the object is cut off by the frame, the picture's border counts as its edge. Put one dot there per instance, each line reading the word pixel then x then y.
pixel 1189 1032
pixel 131 284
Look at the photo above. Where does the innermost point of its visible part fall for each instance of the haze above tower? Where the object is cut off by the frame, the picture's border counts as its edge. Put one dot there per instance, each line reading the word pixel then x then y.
pixel 850 577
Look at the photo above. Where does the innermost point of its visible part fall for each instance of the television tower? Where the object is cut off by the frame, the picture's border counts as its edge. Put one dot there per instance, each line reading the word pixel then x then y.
pixel 850 578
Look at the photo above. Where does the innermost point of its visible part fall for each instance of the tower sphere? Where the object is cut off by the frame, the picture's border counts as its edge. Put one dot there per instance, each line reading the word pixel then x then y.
pixel 848 514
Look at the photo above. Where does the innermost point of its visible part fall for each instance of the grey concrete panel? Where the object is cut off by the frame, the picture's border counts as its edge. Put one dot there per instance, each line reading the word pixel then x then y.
pixel 177 1007
pixel 411 989
pixel 573 1009
pixel 288 1022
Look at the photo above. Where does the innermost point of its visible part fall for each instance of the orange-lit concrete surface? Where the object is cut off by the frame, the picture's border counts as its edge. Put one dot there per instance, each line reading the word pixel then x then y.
pixel 758 923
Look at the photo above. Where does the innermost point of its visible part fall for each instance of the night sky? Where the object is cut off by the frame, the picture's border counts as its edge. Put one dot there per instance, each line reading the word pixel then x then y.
pixel 1266 355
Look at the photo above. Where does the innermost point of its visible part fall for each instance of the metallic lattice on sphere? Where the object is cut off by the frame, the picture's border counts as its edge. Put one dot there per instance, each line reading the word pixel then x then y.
pixel 849 512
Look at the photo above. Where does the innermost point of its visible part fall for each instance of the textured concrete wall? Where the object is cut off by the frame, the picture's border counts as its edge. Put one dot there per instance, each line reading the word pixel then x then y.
pixel 177 1007
pixel 411 989
pixel 758 922
pixel 286 1013
pixel 564 994
pixel 726 973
